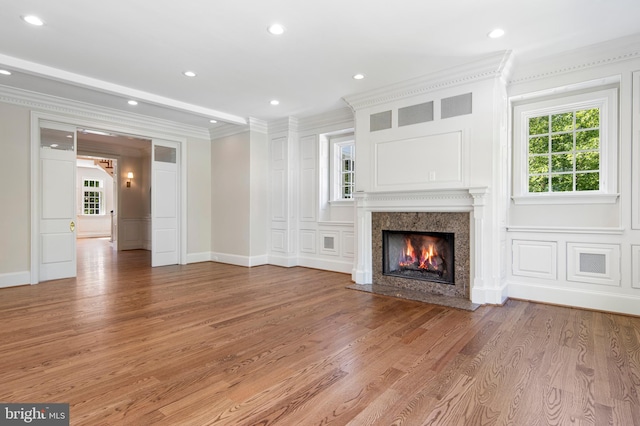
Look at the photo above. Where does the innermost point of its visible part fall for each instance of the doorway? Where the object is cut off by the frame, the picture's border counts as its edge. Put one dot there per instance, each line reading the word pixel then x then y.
pixel 167 196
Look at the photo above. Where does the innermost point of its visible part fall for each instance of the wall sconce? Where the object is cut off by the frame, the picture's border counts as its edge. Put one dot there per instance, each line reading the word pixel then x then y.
pixel 129 176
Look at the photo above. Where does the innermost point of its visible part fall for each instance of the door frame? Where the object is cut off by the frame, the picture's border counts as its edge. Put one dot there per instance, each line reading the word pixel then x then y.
pixel 115 127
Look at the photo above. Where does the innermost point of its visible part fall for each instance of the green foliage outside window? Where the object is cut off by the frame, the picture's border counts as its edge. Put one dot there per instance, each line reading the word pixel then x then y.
pixel 564 151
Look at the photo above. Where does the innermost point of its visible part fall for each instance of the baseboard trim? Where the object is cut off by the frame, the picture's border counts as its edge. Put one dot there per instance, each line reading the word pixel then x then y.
pixel 327 265
pixel 234 259
pixel 586 299
pixel 198 257
pixel 14 279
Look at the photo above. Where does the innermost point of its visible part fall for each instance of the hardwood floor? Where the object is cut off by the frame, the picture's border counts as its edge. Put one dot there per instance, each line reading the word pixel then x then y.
pixel 214 344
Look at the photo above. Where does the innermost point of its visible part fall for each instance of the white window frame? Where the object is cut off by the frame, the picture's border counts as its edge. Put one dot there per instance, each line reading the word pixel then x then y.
pixel 99 190
pixel 607 101
pixel 336 170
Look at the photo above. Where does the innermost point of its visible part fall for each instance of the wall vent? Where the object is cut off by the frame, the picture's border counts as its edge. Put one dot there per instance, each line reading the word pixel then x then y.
pixel 380 121
pixel 415 114
pixel 328 243
pixel 593 263
pixel 455 106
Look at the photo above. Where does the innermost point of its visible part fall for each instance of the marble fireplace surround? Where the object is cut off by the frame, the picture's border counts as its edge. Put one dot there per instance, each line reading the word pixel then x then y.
pixel 402 211
pixel 449 222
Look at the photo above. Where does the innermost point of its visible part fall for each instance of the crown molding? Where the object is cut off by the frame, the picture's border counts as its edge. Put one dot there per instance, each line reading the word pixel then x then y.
pixel 47 103
pixel 225 130
pixel 111 88
pixel 258 126
pixel 342 118
pixel 601 54
pixel 489 67
pixel 283 125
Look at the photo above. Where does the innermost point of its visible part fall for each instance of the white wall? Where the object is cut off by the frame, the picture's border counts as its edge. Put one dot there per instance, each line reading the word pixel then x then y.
pixel 14 197
pixel 239 197
pixel 199 200
pixel 546 242
pixel 15 167
pixel 305 228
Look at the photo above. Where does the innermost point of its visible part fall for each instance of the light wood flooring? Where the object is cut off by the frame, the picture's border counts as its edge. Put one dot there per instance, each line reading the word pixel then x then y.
pixel 214 344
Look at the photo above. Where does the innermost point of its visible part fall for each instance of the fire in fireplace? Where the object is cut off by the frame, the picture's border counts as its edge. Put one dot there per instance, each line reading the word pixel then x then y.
pixel 418 255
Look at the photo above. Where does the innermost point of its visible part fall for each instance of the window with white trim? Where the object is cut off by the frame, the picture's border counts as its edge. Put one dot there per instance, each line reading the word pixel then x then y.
pixel 343 151
pixel 93 197
pixel 566 148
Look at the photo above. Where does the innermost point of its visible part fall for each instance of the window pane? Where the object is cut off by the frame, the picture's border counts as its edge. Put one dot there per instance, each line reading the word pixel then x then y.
pixel 589 139
pixel 538 164
pixel 539 145
pixel 587 181
pixel 538 184
pixel 60 140
pixel 562 163
pixel 164 154
pixel 562 183
pixel 562 122
pixel 588 160
pixel 539 125
pixel 588 118
pixel 562 142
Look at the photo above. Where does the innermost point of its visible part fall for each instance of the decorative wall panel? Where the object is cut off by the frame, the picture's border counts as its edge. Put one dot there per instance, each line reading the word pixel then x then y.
pixel 537 259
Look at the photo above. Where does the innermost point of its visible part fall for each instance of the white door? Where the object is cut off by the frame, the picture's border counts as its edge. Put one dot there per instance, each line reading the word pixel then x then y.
pixel 57 201
pixel 164 198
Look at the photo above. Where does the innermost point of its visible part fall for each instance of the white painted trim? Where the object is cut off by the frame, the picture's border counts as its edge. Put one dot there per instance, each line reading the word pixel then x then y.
pixel 635 266
pixel 199 257
pixel 635 142
pixel 550 260
pixel 234 259
pixel 496 295
pixel 54 105
pixel 336 223
pixel 611 253
pixel 325 264
pixel 565 199
pixel 579 298
pixel 107 87
pixel 117 126
pixel 13 279
pixel 597 55
pixel 565 230
pixel 492 66
pixel 284 261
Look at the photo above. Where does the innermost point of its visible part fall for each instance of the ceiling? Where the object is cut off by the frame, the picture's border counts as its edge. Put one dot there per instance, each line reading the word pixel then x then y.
pixel 105 53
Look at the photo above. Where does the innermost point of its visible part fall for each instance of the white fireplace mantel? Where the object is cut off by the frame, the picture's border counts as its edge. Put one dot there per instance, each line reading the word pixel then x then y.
pixel 450 200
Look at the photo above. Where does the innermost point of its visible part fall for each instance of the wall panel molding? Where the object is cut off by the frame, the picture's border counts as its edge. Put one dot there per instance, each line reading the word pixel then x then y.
pixel 536 259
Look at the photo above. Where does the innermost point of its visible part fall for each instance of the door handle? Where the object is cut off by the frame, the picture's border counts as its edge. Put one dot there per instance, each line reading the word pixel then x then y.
pixel 72 226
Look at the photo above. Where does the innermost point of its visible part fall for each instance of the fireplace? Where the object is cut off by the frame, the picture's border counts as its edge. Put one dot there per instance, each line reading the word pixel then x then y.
pixel 460 212
pixel 446 233
pixel 427 256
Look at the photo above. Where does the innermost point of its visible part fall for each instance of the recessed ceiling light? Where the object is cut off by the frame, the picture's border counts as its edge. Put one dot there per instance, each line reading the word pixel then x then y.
pixel 54 145
pixel 189 73
pixel 132 102
pixel 275 29
pixel 33 20
pixel 497 33
pixel 5 72
pixel 275 102
pixel 358 76
pixel 213 121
